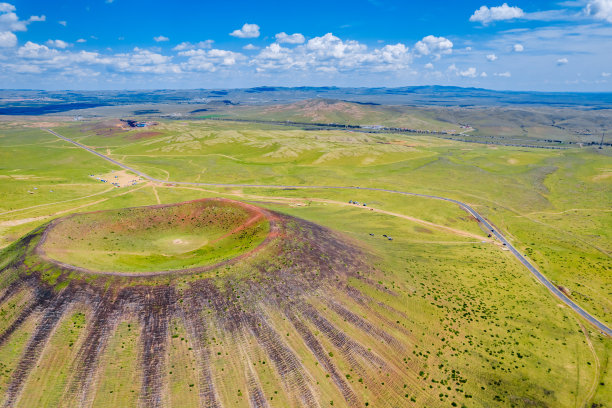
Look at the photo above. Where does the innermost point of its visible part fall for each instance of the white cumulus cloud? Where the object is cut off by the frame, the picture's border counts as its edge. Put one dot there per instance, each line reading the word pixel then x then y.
pixel 7 39
pixel 57 44
pixel 144 61
pixel 48 59
pixel 9 21
pixel 600 9
pixel 491 57
pixel 6 8
pixel 468 73
pixel 186 45
pixel 42 58
pixel 209 60
pixel 277 57
pixel 247 31
pixel 36 51
pixel 330 46
pixel 393 56
pixel 250 47
pixel 37 18
pixel 329 53
pixel 296 38
pixel 518 47
pixel 503 74
pixel 432 45
pixel 486 15
pixel 161 38
pixel 562 61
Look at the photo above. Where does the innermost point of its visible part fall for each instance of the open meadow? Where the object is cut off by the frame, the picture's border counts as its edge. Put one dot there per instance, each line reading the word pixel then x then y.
pixel 411 303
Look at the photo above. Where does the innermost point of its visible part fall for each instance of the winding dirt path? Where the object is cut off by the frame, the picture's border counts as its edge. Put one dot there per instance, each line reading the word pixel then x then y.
pixel 58 202
pixel 156 195
pixel 14 223
pixel 455 231
pixel 591 394
pixel 413 219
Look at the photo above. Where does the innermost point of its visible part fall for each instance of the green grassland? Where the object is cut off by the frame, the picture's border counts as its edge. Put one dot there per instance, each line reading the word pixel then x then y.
pixel 480 317
pixel 526 192
pixel 479 330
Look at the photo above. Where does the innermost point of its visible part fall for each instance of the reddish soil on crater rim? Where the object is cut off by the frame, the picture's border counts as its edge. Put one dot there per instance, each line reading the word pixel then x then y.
pixel 255 214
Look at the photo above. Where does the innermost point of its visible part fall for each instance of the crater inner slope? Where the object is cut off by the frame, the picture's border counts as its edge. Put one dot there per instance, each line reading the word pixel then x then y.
pixel 158 238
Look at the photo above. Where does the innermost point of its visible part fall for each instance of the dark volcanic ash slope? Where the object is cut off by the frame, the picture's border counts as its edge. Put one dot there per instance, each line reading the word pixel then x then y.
pixel 284 326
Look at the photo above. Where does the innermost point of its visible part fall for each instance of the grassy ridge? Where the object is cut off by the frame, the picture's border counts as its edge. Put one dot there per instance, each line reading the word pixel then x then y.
pixel 183 387
pixel 119 378
pixel 47 382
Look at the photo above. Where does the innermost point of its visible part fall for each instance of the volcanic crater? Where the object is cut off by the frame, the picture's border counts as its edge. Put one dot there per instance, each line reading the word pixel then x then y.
pixel 228 304
pixel 163 239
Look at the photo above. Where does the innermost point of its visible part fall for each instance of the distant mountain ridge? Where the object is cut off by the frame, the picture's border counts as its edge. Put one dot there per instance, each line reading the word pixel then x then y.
pixel 433 95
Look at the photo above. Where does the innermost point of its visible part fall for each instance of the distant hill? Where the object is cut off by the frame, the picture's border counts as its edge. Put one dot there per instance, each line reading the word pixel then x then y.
pixel 343 112
pixel 507 124
pixel 411 95
pixel 507 117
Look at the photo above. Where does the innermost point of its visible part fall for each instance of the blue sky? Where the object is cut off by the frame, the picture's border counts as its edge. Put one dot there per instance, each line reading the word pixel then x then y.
pixel 132 44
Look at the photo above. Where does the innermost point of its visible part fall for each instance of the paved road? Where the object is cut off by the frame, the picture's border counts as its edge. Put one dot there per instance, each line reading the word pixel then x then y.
pixel 539 276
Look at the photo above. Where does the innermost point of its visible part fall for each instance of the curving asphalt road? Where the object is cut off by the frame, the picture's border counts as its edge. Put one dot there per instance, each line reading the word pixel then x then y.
pixel 539 276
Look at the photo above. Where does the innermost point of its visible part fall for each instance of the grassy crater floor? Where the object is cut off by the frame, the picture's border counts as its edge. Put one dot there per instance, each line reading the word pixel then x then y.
pixel 189 235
